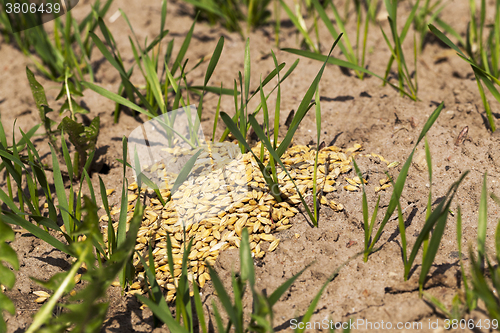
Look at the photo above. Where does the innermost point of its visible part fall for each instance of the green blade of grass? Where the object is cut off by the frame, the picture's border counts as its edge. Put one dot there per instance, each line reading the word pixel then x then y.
pixel 277 108
pixel 170 259
pixel 7 159
pixel 125 17
pixel 154 82
pixel 176 88
pixel 310 310
pixel 19 168
pixel 12 218
pixel 318 138
pixel 24 140
pixel 247 269
pixel 184 47
pixel 235 131
pixel 164 315
pixel 432 248
pixel 481 287
pixel 211 67
pixel 470 298
pixel 42 180
pixel 215 90
pixel 263 102
pixel 218 319
pixel 117 98
pixel 238 293
pixel 265 111
pixel 156 293
pixel 494 92
pixel 89 184
pixel 273 73
pixel 452 45
pixel 3 137
pixel 429 199
pixel 213 60
pixel 347 51
pixel 408 22
pixel 8 201
pixel 46 311
pixel 163 15
pixel 199 308
pixel 61 193
pixel 446 27
pixel 276 295
pixel 217 111
pixel 85 56
pixel 109 57
pixel 122 218
pixel 368 225
pixel 183 304
pixel 296 21
pixel 364 203
pixel 482 221
pixel 374 217
pixel 304 105
pixel 46 222
pixel 223 297
pixel 401 180
pixel 111 230
pixel 208 6
pixel 7 255
pixel 429 168
pixel 101 13
pixel 438 304
pixel 66 156
pixel 243 110
pixel 495 44
pixel 266 80
pixel 274 154
pixel 185 171
pixel 438 216
pixel 404 76
pixel 126 247
pixel 246 69
pixel 341 63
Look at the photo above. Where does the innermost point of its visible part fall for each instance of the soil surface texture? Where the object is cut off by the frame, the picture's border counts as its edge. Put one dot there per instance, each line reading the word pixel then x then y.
pixel 353 111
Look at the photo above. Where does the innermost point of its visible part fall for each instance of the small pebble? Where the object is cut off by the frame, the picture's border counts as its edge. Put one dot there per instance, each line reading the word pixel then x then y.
pixel 351 243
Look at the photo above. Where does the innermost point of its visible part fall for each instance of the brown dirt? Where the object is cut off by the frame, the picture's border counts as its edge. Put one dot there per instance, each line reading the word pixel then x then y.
pixel 353 111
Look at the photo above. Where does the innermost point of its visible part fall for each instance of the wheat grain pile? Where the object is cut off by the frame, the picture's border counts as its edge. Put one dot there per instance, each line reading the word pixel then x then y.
pixel 224 193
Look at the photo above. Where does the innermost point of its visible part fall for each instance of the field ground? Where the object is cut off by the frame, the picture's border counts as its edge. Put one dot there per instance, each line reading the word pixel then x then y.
pixel 353 111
